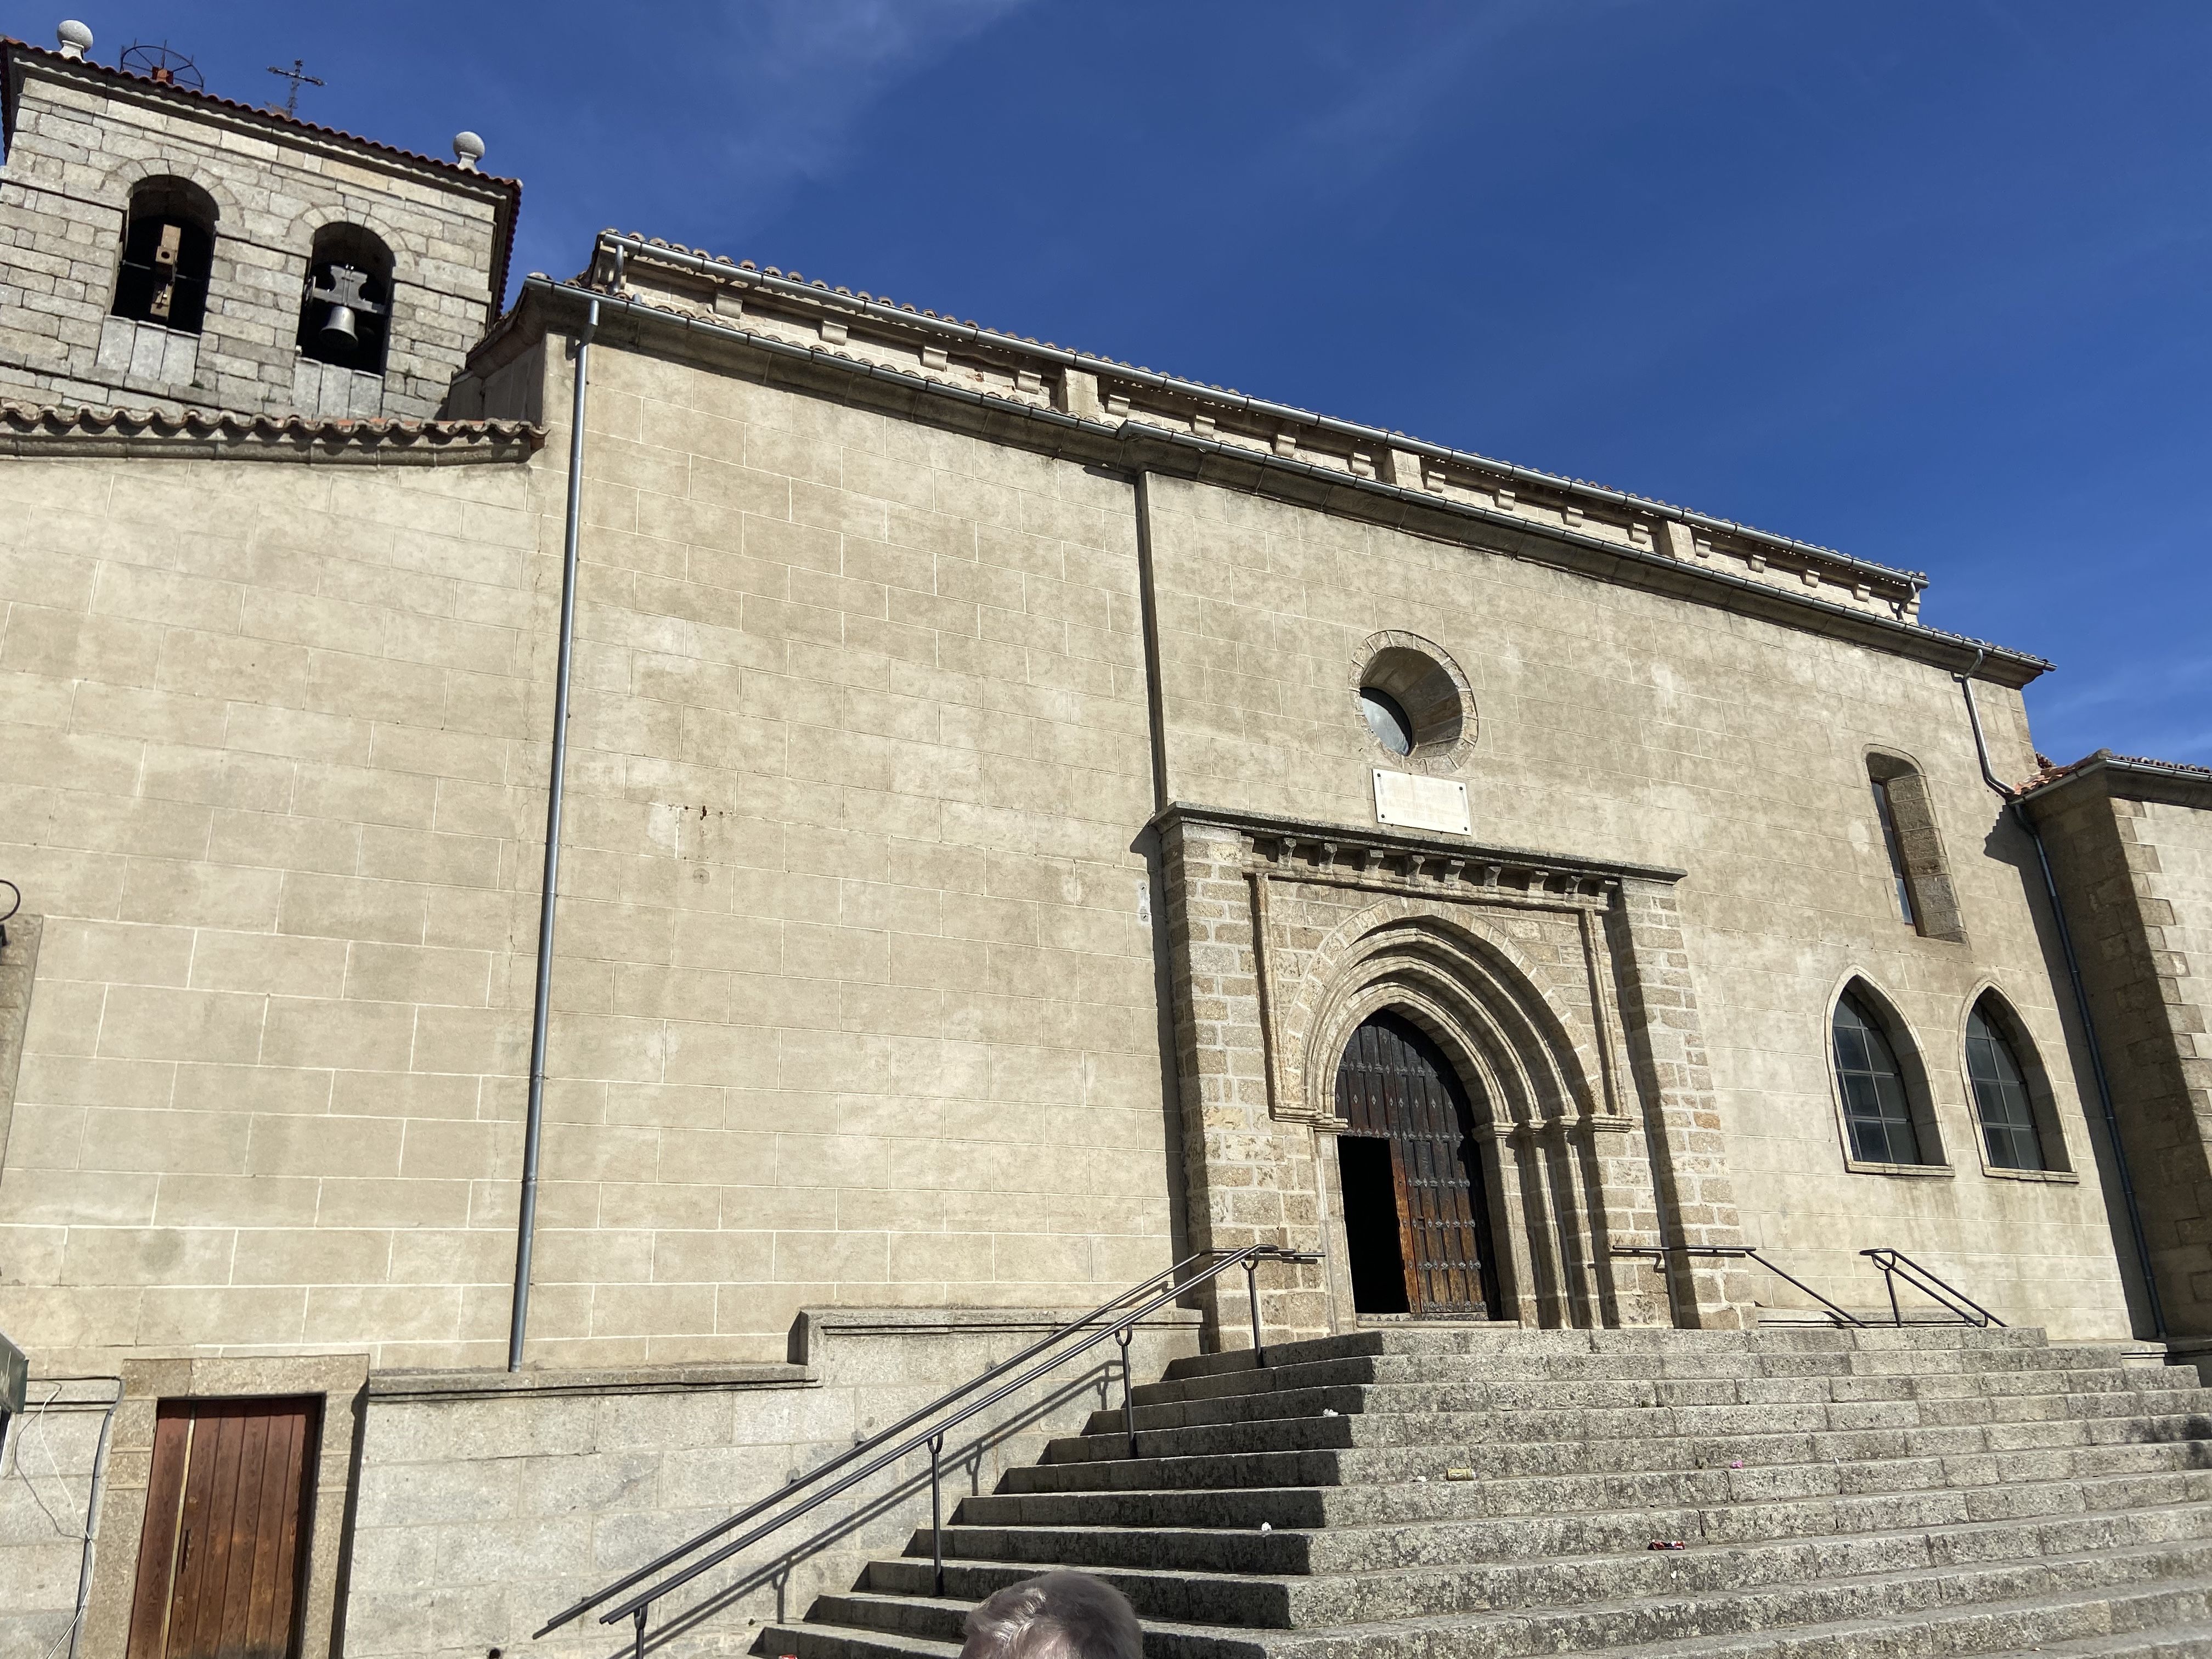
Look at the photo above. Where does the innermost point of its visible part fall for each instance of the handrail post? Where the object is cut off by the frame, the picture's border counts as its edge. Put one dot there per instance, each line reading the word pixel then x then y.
pixel 1252 1294
pixel 1128 1400
pixel 1889 1282
pixel 1131 1308
pixel 936 1511
pixel 640 1648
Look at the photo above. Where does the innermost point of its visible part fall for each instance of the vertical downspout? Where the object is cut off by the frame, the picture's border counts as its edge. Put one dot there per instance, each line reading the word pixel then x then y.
pixel 2012 798
pixel 550 886
pixel 91 1516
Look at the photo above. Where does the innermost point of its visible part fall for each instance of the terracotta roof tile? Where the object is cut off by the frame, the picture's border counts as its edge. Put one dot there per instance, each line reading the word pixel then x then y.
pixel 28 427
pixel 2048 772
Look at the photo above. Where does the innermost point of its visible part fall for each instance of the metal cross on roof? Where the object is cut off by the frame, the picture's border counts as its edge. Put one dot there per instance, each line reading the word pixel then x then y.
pixel 295 75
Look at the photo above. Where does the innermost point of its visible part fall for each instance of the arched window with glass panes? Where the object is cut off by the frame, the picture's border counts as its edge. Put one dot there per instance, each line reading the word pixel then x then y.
pixel 2005 1106
pixel 1884 1122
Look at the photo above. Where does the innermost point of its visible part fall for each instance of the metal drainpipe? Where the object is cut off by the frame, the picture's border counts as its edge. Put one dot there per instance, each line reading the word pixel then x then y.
pixel 549 887
pixel 2011 797
pixel 92 1516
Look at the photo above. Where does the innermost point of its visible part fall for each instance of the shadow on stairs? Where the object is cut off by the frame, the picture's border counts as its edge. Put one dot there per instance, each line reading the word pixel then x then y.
pixel 1476 1494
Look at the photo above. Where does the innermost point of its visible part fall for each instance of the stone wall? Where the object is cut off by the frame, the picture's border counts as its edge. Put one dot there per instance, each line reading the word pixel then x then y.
pixel 275 781
pixel 855 977
pixel 854 993
pixel 2131 850
pixel 488 1503
pixel 50 1470
pixel 1613 725
pixel 85 136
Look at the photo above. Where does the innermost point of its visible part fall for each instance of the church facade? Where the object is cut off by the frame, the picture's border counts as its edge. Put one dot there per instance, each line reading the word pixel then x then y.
pixel 1024 820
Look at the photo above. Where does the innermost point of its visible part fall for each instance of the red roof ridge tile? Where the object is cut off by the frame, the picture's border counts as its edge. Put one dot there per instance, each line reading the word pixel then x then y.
pixel 56 419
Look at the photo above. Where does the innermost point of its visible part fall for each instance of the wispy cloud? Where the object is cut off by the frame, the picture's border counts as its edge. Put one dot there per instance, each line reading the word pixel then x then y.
pixel 801 74
pixel 746 104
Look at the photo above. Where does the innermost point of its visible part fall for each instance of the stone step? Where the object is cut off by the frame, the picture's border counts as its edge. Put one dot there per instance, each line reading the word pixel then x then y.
pixel 1339 1547
pixel 2127 1618
pixel 1171 1406
pixel 1648 1342
pixel 1546 1494
pixel 1947 1610
pixel 1160 1591
pixel 1421 1428
pixel 2172 1638
pixel 1714 1395
pixel 1445 1367
pixel 2165 1622
pixel 1345 1465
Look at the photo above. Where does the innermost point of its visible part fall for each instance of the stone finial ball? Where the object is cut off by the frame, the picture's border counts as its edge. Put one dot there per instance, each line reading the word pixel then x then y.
pixel 468 149
pixel 75 38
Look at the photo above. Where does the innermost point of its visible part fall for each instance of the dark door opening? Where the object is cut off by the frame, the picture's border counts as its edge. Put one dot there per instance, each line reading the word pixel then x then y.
pixel 1370 1223
pixel 1397 1090
pixel 223 1551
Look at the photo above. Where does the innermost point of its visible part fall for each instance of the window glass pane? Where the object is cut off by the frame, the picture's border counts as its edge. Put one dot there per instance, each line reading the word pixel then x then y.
pixel 1896 851
pixel 1387 720
pixel 1877 1110
pixel 2002 1100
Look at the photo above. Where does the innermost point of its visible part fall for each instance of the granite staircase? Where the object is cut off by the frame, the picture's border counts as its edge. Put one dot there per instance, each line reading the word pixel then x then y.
pixel 1488 1494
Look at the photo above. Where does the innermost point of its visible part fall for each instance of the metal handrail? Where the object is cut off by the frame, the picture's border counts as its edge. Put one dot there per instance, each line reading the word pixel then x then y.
pixel 1116 1318
pixel 1893 1263
pixel 1840 1317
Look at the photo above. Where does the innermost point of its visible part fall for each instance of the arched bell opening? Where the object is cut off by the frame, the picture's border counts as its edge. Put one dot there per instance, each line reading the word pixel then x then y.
pixel 1414 1186
pixel 345 307
pixel 168 256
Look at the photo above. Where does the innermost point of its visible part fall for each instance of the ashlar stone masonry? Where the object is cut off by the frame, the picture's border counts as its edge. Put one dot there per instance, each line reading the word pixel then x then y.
pixel 1006 792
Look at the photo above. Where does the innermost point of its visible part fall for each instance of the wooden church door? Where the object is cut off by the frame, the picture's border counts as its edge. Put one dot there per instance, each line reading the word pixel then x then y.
pixel 1416 1207
pixel 227 1509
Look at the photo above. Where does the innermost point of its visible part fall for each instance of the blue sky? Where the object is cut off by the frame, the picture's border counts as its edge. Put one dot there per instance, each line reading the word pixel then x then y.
pixel 1927 282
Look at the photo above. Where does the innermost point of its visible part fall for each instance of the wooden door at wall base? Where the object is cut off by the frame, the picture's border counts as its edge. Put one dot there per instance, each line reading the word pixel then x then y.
pixel 1394 1086
pixel 222 1557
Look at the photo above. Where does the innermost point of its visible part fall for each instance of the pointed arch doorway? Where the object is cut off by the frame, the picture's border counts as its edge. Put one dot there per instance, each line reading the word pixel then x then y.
pixel 1415 1193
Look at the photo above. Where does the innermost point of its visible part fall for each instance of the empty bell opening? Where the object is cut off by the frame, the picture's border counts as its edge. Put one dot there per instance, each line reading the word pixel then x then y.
pixel 339 328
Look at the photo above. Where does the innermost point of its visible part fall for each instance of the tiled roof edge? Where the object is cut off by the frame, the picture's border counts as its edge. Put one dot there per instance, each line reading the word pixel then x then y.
pixel 60 429
pixel 746 273
pixel 2049 776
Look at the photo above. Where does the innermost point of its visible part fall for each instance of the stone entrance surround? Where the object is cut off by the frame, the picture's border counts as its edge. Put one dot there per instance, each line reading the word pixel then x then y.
pixel 1558 987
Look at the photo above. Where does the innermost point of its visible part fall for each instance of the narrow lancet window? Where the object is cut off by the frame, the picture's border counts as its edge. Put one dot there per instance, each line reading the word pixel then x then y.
pixel 1920 880
pixel 1886 811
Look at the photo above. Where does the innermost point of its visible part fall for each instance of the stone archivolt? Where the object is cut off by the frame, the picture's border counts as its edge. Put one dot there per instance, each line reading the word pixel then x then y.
pixel 1509 961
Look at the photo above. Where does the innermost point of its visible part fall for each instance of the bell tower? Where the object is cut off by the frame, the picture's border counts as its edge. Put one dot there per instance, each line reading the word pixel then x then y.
pixel 164 247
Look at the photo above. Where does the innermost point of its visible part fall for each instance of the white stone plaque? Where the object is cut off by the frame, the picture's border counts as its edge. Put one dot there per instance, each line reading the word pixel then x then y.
pixel 1413 802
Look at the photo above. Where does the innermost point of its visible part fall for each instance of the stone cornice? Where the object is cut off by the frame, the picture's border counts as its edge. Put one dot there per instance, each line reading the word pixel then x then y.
pixel 1371 446
pixel 1008 402
pixel 50 432
pixel 1450 861
pixel 457 1385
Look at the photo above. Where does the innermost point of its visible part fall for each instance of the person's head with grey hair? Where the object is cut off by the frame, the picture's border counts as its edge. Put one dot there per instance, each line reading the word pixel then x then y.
pixel 1055 1615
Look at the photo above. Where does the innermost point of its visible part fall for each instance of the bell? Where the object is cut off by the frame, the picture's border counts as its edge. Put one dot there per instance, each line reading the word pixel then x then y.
pixel 338 329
